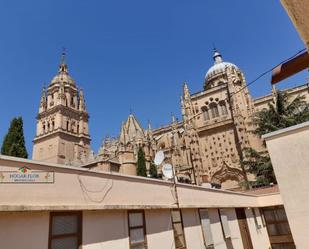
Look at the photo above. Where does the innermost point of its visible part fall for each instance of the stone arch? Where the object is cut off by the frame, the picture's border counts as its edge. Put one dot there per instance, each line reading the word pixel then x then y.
pixel 227 173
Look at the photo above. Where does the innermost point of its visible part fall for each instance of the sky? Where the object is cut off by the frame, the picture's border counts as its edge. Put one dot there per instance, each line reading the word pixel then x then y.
pixel 134 55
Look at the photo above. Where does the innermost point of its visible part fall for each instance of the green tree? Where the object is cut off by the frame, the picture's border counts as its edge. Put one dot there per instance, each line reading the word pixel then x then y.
pixel 153 170
pixel 141 163
pixel 260 165
pixel 280 114
pixel 14 141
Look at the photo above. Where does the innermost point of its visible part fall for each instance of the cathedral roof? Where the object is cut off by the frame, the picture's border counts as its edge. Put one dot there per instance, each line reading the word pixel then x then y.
pixel 218 68
pixel 131 130
pixel 63 74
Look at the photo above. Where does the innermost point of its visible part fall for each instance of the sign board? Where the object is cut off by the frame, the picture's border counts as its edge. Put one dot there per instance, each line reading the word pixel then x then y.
pixel 26 175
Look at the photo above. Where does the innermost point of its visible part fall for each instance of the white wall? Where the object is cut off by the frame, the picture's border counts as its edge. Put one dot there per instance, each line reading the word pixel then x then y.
pixel 234 227
pixel 259 237
pixel 216 229
pixel 159 229
pixel 105 229
pixel 20 230
pixel 288 149
pixel 192 229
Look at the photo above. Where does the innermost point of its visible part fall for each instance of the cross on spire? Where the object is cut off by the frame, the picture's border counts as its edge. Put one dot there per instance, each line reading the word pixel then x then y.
pixel 63 66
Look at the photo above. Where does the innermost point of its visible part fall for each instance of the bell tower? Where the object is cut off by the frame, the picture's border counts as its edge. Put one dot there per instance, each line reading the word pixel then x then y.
pixel 62 134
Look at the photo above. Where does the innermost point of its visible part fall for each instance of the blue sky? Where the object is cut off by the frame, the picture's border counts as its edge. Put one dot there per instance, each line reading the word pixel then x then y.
pixel 134 54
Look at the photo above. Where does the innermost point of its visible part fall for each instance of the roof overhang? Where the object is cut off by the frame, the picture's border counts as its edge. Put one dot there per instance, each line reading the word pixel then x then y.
pixel 291 67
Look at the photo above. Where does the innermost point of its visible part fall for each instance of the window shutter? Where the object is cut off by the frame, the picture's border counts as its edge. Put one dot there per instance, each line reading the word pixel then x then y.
pixel 205 221
pixel 225 224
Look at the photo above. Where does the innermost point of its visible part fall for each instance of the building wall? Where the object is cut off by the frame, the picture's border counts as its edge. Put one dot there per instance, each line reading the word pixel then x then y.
pixel 216 229
pixel 259 236
pixel 109 230
pixel 24 230
pixel 298 12
pixel 105 229
pixel 235 232
pixel 159 229
pixel 288 150
pixel 192 229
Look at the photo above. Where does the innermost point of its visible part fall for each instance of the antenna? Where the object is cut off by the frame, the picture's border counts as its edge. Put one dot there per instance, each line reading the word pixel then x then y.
pixel 167 171
pixel 159 158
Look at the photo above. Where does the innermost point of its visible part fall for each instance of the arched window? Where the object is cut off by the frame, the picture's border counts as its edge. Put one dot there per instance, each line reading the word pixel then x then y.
pixel 72 101
pixel 223 108
pixel 53 125
pixel 68 123
pixel 48 127
pixel 214 110
pixel 44 128
pixel 205 113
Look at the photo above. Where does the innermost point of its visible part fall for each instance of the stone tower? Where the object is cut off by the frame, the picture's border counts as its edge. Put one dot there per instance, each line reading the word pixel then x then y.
pixel 62 134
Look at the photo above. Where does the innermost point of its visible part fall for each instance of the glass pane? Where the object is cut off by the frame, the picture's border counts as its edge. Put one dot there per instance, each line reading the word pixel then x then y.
pixel 139 246
pixel 180 241
pixel 64 243
pixel 283 246
pixel 176 216
pixel 136 219
pixel 280 215
pixel 272 229
pixel 269 215
pixel 283 228
pixel 137 235
pixel 64 224
pixel 178 229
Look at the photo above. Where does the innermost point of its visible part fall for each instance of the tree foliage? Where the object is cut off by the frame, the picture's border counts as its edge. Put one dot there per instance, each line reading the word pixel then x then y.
pixel 14 141
pixel 141 169
pixel 280 114
pixel 260 165
pixel 153 170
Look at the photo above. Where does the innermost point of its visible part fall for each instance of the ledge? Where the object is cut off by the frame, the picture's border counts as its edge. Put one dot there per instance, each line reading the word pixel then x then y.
pixel 286 131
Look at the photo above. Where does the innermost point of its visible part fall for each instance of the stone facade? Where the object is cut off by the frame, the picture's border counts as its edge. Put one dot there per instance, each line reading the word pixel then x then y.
pixel 62 134
pixel 206 146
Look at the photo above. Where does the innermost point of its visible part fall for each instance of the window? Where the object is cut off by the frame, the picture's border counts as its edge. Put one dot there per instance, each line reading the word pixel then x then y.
pixel 205 114
pixel 137 230
pixel 180 242
pixel 68 124
pixel 223 108
pixel 225 228
pixel 206 228
pixel 278 228
pixel 65 230
pixel 214 110
pixel 224 223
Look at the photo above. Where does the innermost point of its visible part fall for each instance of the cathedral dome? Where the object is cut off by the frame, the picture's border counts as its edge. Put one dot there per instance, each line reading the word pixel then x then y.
pixel 218 69
pixel 63 74
pixel 63 77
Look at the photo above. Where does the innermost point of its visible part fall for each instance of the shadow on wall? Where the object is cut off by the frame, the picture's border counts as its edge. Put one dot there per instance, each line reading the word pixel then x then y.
pixel 109 229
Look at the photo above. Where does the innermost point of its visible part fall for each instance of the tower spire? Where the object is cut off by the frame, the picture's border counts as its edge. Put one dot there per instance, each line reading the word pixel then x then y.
pixel 217 56
pixel 63 66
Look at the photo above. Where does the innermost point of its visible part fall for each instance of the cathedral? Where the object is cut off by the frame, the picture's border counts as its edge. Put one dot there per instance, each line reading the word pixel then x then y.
pixel 205 147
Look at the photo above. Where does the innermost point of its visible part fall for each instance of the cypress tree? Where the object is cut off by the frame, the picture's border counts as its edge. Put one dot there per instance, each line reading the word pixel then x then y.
pixel 14 140
pixel 153 170
pixel 141 163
